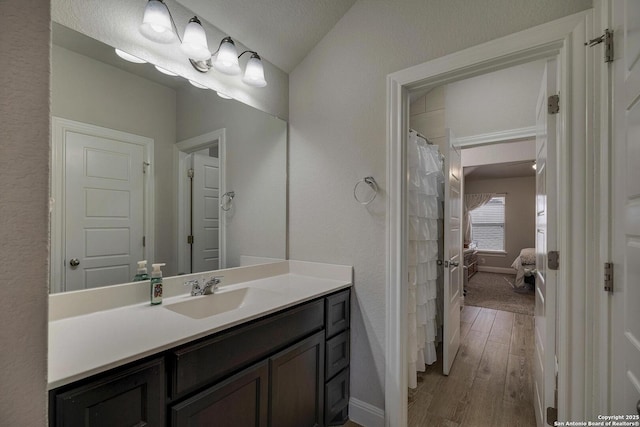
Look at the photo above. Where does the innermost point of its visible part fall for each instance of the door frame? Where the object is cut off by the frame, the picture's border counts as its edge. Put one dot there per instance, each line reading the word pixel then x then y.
pixel 563 38
pixel 59 126
pixel 180 151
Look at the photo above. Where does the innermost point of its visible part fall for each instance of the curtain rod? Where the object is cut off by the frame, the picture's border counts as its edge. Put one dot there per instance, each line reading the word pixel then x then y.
pixel 421 136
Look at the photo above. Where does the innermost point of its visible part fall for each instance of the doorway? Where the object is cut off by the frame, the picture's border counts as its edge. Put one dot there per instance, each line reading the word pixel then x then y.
pixel 556 39
pixel 494 330
pixel 201 219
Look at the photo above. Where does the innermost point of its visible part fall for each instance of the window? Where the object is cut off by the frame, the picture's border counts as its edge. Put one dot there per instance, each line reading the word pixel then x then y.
pixel 487 225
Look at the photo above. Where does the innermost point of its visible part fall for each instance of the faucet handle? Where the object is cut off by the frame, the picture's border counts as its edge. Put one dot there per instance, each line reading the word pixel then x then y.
pixel 195 286
pixel 213 281
pixel 194 282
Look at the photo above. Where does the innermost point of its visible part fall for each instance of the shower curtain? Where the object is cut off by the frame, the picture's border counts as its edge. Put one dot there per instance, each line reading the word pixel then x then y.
pixel 425 208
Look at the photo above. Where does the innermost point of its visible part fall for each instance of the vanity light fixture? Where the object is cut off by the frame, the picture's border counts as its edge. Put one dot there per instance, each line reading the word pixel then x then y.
pixel 157 22
pixel 165 71
pixel 226 59
pixel 158 25
pixel 254 72
pixel 128 57
pixel 194 43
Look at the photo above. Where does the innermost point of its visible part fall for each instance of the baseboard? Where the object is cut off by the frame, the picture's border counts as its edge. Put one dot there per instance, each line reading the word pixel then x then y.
pixel 364 414
pixel 503 270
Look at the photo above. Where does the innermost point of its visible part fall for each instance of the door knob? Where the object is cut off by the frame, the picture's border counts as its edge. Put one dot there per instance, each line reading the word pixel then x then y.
pixel 74 262
pixel 454 263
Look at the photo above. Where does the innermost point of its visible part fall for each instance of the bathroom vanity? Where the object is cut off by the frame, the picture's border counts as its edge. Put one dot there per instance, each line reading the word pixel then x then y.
pixel 281 359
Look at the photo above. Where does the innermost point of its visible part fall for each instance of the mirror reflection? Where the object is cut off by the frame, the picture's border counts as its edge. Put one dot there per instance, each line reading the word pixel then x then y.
pixel 146 165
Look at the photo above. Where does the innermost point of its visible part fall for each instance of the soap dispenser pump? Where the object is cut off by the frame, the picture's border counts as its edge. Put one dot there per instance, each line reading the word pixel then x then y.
pixel 156 284
pixel 142 272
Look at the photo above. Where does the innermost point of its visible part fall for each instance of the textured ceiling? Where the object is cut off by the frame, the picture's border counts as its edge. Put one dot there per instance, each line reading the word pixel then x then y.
pixel 283 31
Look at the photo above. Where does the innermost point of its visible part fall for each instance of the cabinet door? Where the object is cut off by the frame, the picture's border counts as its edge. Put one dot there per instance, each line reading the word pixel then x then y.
pixel 240 401
pixel 297 382
pixel 131 397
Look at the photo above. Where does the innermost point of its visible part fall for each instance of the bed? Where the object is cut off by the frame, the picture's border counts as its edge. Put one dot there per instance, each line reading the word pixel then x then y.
pixel 524 265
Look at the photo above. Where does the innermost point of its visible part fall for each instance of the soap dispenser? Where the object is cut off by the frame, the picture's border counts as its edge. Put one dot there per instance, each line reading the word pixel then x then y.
pixel 156 284
pixel 142 272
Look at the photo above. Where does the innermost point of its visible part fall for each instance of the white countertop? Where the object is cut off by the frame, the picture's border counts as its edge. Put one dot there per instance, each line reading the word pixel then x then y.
pixel 83 345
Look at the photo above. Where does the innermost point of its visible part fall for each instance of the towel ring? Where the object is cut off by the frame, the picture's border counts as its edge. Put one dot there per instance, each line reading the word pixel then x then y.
pixel 371 183
pixel 227 203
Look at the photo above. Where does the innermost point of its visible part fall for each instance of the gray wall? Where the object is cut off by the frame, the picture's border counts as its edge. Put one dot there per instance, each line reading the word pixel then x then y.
pixel 93 92
pixel 24 217
pixel 256 170
pixel 520 215
pixel 337 124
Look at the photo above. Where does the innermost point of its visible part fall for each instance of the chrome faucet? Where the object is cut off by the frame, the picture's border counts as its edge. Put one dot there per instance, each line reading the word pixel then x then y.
pixel 208 287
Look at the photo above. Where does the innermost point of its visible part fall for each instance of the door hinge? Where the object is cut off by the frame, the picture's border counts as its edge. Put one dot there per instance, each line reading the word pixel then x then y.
pixel 608 276
pixel 553 260
pixel 145 165
pixel 607 39
pixel 552 415
pixel 144 241
pixel 553 104
pixel 190 173
pixel 190 240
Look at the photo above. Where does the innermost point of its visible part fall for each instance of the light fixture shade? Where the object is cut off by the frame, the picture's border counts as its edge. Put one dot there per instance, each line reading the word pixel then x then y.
pixel 226 60
pixel 254 72
pixel 194 43
pixel 128 57
pixel 165 71
pixel 196 84
pixel 224 95
pixel 156 23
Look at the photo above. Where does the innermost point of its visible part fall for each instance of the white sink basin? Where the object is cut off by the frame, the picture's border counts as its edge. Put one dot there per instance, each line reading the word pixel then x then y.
pixel 221 302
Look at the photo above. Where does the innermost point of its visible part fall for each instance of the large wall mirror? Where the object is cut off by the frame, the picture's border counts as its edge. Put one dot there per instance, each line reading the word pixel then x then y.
pixel 148 166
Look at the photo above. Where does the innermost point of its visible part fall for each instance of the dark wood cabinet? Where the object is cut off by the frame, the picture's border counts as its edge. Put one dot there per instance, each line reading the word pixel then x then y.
pixel 297 383
pixel 240 401
pixel 128 397
pixel 278 371
pixel 337 399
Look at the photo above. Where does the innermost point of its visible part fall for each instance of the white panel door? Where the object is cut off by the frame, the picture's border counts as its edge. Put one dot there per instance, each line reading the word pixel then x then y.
pixel 452 253
pixel 625 318
pixel 103 210
pixel 206 213
pixel 546 208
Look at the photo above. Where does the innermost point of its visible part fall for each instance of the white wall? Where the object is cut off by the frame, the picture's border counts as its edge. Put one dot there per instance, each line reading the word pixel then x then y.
pixel 256 170
pixel 499 153
pixel 116 23
pixel 427 116
pixel 337 136
pixel 498 101
pixel 91 91
pixel 520 215
pixel 24 218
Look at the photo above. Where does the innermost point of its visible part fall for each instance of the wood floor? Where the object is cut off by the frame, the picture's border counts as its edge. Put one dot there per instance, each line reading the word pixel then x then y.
pixel 491 381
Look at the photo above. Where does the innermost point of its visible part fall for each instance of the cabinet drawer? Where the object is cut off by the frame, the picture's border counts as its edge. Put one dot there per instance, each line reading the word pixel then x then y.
pixel 337 399
pixel 240 401
pixel 337 313
pixel 337 354
pixel 212 359
pixel 132 396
